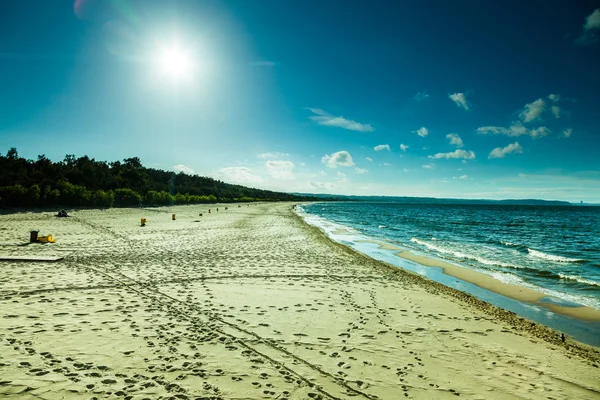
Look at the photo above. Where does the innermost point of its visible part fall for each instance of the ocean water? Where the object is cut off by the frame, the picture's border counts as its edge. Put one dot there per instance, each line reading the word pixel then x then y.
pixel 553 249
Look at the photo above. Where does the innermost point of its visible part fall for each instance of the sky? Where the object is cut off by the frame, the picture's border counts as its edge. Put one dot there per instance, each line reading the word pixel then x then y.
pixel 461 99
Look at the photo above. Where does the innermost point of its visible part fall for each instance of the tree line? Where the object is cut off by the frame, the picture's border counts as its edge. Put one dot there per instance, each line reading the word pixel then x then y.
pixel 85 182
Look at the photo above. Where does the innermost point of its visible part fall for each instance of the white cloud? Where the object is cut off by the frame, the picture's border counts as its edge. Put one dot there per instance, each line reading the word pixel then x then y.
pixel 455 139
pixel 590 28
pixel 539 132
pixel 238 175
pixel 463 177
pixel 492 130
pixel 338 159
pixel 515 129
pixel 324 118
pixel 428 166
pixel 387 164
pixel 500 152
pixel 460 100
pixel 554 97
pixel 321 185
pixel 183 168
pixel 403 146
pixel 458 153
pixel 360 170
pixel 593 20
pixel 281 169
pixel 567 133
pixel 420 96
pixel 368 159
pixel 556 111
pixel 405 170
pixel 272 155
pixel 422 131
pixel 342 177
pixel 533 111
pixel 381 147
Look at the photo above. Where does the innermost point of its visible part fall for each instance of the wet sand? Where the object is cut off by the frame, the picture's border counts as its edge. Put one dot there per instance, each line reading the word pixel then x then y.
pixel 512 291
pixel 252 303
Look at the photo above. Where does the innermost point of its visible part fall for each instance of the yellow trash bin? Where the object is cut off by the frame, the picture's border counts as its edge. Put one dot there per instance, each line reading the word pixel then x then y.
pixel 173 217
pixel 143 221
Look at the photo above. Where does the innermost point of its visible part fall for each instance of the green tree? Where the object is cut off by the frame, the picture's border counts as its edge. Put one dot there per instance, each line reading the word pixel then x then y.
pixel 33 195
pixel 126 197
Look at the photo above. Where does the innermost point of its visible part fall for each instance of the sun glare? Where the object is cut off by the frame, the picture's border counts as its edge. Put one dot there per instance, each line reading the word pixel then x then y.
pixel 175 62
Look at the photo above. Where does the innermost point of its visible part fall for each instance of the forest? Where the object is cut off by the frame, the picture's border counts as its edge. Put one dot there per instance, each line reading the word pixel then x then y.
pixel 85 182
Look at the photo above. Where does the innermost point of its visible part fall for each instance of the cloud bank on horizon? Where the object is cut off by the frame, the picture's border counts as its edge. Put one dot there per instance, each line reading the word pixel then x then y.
pixel 342 105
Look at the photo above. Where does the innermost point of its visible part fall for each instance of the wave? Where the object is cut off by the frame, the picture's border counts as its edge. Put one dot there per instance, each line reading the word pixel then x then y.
pixel 464 256
pixel 551 257
pixel 579 279
pixel 517 245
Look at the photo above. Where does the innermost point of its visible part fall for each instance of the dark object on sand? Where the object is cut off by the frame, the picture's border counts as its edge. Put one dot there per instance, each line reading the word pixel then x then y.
pixel 33 236
pixel 562 337
pixel 200 214
pixel 62 214
pixel 30 258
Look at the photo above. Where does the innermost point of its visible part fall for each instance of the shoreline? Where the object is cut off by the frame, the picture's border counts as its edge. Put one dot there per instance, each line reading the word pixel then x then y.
pixel 516 292
pixel 253 302
pixel 488 283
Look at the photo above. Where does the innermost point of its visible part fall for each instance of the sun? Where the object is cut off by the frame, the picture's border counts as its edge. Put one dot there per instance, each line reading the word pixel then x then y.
pixel 175 62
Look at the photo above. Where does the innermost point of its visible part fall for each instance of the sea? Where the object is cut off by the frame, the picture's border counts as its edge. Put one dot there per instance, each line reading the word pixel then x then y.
pixel 553 249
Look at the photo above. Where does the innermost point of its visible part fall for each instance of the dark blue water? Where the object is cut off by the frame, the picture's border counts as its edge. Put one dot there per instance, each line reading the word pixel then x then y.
pixel 552 249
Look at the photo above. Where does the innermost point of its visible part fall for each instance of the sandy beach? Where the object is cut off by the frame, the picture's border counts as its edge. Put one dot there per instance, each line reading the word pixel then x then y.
pixel 252 303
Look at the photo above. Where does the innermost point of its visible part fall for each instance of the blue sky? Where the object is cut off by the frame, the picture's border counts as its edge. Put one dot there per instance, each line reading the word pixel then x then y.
pixel 448 99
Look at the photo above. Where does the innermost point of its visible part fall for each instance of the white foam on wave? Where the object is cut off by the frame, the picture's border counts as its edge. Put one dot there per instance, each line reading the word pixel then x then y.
pixel 507 277
pixel 510 244
pixel 502 276
pixel 579 279
pixel 551 257
pixel 464 256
